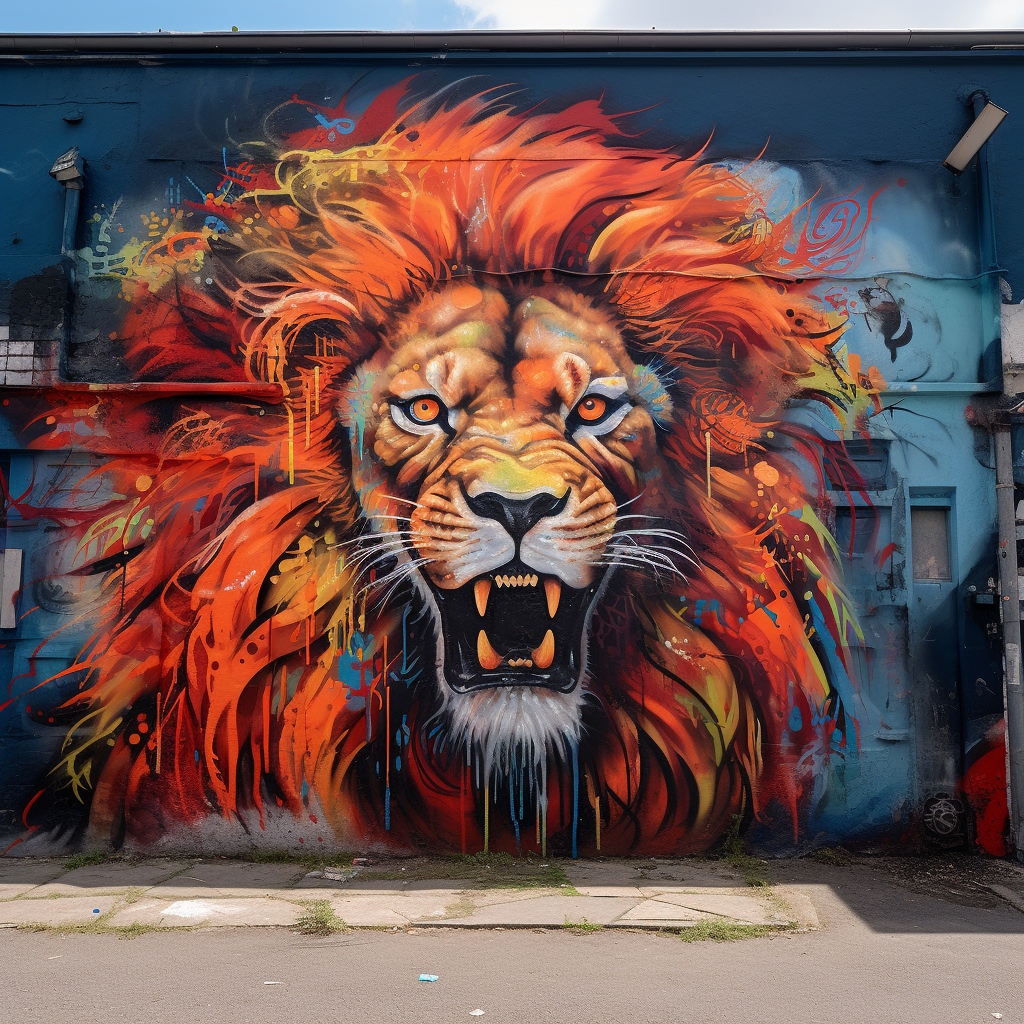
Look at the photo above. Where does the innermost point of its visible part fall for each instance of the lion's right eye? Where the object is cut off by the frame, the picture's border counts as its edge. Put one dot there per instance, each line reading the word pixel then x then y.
pixel 422 411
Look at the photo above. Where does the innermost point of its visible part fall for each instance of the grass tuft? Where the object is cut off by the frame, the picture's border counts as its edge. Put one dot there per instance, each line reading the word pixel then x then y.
pixel 493 870
pixel 309 860
pixel 133 895
pixel 81 860
pixel 583 927
pixel 320 918
pixel 724 931
pixel 733 851
pixel 834 856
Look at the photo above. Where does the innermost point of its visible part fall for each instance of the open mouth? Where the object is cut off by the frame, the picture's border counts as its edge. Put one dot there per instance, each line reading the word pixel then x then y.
pixel 514 627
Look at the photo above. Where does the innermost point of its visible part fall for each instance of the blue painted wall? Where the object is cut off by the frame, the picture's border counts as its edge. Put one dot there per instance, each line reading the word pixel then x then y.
pixel 927 677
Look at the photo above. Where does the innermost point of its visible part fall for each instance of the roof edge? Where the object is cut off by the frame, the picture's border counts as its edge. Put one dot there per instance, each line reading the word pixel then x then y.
pixel 578 40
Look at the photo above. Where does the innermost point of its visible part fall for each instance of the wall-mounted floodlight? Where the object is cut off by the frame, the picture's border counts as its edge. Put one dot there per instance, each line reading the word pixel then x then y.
pixel 987 121
pixel 68 169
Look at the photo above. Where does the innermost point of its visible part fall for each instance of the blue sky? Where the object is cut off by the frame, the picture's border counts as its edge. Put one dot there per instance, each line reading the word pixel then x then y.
pixel 204 16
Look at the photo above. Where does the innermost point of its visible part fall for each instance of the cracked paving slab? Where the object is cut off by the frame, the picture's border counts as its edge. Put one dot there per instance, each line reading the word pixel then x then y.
pixel 547 911
pixel 69 910
pixel 188 913
pixel 228 879
pixel 166 893
pixel 19 876
pixel 112 878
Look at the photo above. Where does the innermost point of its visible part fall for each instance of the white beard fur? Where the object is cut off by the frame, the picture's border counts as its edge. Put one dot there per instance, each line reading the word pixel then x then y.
pixel 513 727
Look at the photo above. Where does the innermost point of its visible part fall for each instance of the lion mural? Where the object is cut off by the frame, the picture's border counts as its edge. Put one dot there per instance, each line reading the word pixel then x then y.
pixel 486 527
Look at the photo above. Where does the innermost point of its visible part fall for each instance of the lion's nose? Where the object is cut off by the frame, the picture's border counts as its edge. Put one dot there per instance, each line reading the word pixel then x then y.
pixel 517 515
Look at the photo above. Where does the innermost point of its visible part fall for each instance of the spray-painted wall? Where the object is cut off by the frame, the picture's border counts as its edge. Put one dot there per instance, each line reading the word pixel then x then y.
pixel 521 454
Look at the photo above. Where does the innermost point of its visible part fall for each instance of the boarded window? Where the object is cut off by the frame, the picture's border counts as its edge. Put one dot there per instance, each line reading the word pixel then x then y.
pixel 930 539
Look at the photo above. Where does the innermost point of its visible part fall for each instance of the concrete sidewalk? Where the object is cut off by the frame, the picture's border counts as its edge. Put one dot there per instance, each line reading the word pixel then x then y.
pixel 189 893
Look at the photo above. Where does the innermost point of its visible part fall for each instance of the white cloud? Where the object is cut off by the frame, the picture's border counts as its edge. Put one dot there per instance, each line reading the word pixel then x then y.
pixel 753 15
pixel 537 14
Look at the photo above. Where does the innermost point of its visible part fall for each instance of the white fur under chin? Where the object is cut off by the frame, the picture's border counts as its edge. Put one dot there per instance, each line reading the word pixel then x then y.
pixel 515 726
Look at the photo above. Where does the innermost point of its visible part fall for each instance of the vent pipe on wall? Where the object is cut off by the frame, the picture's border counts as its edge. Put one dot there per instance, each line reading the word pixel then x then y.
pixel 69 170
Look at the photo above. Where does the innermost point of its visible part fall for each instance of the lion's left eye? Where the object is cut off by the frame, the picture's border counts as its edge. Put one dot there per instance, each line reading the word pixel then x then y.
pixel 597 411
pixel 592 409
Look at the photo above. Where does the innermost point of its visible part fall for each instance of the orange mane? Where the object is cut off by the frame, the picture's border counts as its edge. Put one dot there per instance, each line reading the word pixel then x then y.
pixel 199 696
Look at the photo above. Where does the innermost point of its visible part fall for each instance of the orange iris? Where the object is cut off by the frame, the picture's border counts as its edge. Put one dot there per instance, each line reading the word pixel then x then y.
pixel 591 408
pixel 425 410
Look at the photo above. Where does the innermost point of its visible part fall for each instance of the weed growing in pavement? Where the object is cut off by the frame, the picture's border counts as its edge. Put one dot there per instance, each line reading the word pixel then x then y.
pixel 733 851
pixel 81 860
pixel 834 856
pixel 320 918
pixel 583 927
pixel 725 931
pixel 309 860
pixel 491 870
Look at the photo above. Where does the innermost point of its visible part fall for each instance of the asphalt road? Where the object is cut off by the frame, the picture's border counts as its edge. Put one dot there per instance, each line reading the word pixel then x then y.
pixel 887 952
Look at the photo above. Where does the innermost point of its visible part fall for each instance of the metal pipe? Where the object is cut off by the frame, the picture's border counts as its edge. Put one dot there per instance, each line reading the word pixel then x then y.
pixel 71 204
pixel 1013 695
pixel 986 212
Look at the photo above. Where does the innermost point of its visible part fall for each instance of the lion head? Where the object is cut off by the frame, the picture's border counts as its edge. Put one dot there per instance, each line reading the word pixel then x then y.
pixel 503 439
pixel 490 528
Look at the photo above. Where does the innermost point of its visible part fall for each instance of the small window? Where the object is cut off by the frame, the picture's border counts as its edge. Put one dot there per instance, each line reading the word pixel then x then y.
pixel 858 524
pixel 844 460
pixel 930 539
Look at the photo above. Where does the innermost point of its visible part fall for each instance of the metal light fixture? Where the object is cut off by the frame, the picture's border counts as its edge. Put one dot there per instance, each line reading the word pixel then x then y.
pixel 985 123
pixel 69 170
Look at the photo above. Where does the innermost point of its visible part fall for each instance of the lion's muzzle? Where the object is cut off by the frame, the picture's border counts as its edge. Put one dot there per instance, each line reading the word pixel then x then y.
pixel 515 625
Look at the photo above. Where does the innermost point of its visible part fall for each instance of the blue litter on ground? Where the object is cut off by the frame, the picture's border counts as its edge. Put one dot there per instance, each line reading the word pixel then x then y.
pixel 96 911
pixel 428 977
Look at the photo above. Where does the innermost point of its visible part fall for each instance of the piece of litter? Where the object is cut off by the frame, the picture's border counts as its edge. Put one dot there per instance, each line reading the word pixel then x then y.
pixel 360 862
pixel 273 983
pixel 428 977
pixel 57 957
pixel 998 1016
pixel 96 911
pixel 476 1013
pixel 339 874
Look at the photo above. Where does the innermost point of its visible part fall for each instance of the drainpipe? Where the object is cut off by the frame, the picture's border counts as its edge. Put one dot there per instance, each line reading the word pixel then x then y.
pixel 1013 694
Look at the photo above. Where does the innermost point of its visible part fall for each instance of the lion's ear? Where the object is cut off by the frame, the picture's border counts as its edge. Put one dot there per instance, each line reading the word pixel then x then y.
pixel 572 375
